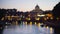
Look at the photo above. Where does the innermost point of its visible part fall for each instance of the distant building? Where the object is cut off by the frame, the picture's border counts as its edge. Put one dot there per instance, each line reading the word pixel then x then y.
pixel 37 10
pixel 34 14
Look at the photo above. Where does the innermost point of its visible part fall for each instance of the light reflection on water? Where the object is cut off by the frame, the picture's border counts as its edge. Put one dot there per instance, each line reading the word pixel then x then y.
pixel 27 29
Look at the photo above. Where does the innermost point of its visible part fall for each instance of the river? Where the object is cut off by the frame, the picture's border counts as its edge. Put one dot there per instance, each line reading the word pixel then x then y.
pixel 28 29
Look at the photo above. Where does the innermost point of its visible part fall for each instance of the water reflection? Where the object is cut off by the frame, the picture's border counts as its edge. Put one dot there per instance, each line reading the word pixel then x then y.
pixel 27 29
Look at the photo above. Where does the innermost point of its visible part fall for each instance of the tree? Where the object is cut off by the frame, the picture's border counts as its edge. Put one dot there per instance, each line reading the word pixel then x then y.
pixel 56 10
pixel 2 13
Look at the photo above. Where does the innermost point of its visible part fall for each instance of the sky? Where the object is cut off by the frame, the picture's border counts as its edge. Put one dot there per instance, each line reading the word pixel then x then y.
pixel 28 5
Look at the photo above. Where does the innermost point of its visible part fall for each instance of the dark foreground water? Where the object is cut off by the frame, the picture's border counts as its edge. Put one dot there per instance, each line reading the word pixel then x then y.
pixel 27 29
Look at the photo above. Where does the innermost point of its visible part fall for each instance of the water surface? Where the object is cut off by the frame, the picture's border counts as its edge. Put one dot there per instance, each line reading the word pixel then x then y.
pixel 27 29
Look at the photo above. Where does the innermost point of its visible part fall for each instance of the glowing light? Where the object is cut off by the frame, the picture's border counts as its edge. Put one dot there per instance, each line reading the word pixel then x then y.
pixel 6 23
pixel 51 29
pixel 30 23
pixel 37 18
pixel 26 23
pixel 38 24
pixel 40 15
pixel 28 18
pixel 49 15
pixel 16 23
pixel 51 18
pixel 45 19
pixel 2 18
pixel 9 18
pixel 47 27
pixel 23 22
pixel 35 23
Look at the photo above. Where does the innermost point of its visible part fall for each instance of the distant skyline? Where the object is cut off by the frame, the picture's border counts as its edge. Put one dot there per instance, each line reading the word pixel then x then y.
pixel 27 5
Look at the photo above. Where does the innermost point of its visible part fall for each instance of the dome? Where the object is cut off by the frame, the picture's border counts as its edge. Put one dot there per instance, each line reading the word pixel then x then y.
pixel 37 7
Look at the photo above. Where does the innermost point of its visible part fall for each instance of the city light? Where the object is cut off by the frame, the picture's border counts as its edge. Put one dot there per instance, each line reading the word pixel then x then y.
pixel 49 15
pixel 51 30
pixel 27 18
pixel 39 24
pixel 35 23
pixel 30 23
pixel 37 18
pixel 51 18
pixel 26 23
pixel 41 15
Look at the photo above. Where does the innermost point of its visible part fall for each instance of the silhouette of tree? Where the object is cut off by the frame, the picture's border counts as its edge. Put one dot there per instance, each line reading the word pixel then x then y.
pixel 56 10
pixel 56 13
pixel 2 13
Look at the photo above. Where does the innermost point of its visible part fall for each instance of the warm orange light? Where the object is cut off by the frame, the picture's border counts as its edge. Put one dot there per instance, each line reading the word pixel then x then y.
pixel 49 15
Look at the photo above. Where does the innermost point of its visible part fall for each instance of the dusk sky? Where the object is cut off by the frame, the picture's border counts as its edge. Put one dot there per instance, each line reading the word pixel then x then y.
pixel 27 5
